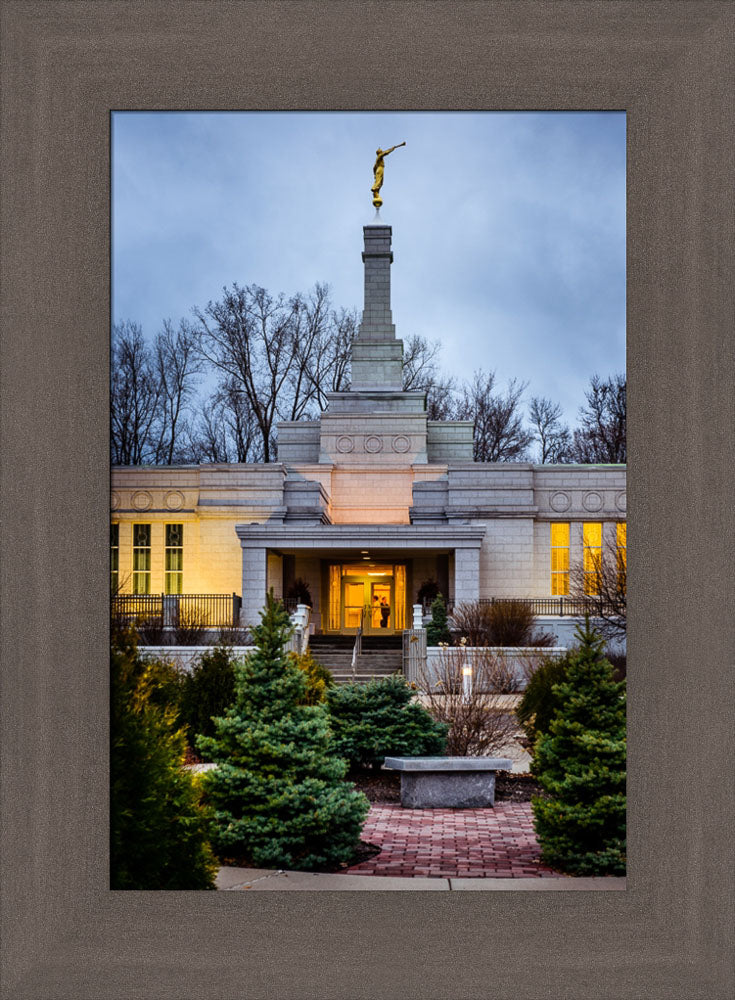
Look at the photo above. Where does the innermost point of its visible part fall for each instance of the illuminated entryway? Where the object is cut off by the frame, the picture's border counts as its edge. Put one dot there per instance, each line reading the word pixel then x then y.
pixel 372 596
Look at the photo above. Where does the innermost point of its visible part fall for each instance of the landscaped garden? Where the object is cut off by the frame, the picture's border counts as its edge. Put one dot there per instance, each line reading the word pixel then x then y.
pixel 297 781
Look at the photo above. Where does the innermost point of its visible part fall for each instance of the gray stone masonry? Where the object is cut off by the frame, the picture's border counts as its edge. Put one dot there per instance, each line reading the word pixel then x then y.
pixel 448 782
pixel 377 357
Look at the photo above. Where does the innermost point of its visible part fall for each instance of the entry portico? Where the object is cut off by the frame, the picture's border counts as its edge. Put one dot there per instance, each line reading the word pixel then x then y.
pixel 369 553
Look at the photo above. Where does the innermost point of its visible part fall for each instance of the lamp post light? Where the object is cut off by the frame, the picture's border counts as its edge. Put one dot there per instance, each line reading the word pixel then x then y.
pixel 467 683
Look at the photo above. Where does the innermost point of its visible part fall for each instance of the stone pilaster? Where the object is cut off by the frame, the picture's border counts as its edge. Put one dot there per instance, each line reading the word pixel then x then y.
pixel 466 574
pixel 254 581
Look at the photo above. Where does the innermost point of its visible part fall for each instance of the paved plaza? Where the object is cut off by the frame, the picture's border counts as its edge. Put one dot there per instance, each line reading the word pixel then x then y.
pixel 445 843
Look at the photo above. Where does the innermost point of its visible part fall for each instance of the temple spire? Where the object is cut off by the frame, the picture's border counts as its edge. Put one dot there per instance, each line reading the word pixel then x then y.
pixel 377 357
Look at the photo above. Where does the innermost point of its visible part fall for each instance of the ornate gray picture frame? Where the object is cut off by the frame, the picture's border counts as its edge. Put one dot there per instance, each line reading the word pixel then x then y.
pixel 66 65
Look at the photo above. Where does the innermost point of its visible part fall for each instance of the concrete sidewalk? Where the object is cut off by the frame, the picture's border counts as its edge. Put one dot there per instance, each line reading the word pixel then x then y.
pixel 260 879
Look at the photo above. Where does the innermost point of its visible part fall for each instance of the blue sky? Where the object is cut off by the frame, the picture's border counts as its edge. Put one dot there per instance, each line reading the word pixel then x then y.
pixel 508 227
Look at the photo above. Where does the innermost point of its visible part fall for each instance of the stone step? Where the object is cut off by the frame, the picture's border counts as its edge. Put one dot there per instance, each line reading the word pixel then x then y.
pixel 369 642
pixel 376 661
pixel 347 678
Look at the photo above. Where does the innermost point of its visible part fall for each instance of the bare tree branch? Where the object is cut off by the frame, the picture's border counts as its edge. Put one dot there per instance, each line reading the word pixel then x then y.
pixel 499 432
pixel 134 397
pixel 553 436
pixel 603 589
pixel 602 434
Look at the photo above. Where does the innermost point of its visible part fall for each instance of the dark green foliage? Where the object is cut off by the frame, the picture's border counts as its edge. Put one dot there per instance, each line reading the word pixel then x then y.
pixel 207 691
pixel 318 678
pixel 158 830
pixel 540 699
pixel 438 630
pixel 278 793
pixel 580 762
pixel 428 591
pixel 380 719
pixel 299 591
pixel 166 684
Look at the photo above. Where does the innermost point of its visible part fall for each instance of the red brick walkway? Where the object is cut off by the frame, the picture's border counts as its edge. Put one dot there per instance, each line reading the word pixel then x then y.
pixel 479 843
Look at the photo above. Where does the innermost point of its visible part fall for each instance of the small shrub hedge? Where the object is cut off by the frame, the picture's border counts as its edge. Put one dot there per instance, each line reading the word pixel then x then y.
pixel 541 699
pixel 318 678
pixel 380 719
pixel 207 691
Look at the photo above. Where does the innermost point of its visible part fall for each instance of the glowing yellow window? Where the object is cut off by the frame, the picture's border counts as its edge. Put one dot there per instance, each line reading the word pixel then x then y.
pixel 174 579
pixel 592 556
pixel 622 555
pixel 141 558
pixel 399 573
pixel 334 597
pixel 114 557
pixel 559 558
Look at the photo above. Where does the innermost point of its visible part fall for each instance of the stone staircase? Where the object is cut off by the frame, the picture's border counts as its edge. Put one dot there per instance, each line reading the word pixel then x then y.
pixel 381 656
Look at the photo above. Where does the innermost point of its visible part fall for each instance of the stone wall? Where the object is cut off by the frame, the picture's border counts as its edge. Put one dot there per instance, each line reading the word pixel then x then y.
pixel 519 661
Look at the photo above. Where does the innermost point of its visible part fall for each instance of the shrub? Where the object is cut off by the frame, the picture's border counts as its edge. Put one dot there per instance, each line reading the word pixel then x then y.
pixel 190 627
pixel 150 630
pixel 279 796
pixel 234 637
pixel 540 699
pixel 299 591
pixel 318 678
pixel 619 661
pixel 165 682
pixel 207 691
pixel 158 829
pixel 475 714
pixel 438 630
pixel 380 719
pixel 428 591
pixel 580 762
pixel 502 623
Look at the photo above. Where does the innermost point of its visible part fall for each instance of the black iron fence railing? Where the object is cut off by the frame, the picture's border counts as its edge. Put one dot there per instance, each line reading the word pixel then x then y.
pixel 561 606
pixel 178 610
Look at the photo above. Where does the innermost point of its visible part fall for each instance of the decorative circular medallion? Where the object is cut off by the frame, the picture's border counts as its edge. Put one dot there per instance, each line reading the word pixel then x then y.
pixel 174 500
pixel 345 443
pixel 621 501
pixel 114 501
pixel 400 444
pixel 142 500
pixel 560 502
pixel 592 501
pixel 373 444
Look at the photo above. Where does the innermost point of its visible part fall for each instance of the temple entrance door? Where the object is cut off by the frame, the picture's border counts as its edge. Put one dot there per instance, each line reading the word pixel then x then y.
pixel 381 605
pixel 354 593
pixel 370 598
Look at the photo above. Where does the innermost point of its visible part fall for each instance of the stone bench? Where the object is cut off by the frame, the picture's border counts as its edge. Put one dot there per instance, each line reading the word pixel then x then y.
pixel 447 782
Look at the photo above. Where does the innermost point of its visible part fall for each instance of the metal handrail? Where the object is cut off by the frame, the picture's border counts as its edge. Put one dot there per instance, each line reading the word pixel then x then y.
pixel 357 648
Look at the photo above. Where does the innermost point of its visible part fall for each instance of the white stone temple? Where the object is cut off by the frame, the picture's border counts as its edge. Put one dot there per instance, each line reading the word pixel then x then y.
pixel 364 505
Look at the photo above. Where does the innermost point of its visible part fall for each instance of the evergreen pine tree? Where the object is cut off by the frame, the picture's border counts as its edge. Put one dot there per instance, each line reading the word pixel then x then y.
pixel 438 630
pixel 158 830
pixel 381 719
pixel 580 762
pixel 278 795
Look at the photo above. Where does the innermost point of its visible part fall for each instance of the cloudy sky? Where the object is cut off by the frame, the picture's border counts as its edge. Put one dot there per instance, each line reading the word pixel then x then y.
pixel 508 228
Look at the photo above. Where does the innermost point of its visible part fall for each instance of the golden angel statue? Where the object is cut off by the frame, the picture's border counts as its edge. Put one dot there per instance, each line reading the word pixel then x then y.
pixel 379 170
